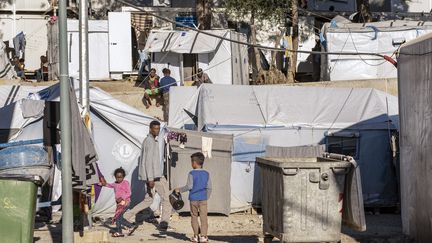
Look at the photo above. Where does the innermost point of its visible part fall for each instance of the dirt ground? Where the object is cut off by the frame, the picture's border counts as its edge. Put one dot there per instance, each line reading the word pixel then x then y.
pixel 237 228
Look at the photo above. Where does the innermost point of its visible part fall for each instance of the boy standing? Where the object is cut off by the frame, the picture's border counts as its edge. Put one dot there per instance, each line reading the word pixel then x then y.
pixel 164 86
pixel 199 187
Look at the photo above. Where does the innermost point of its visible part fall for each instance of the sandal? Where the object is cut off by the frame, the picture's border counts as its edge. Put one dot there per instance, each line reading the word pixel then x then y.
pixel 117 234
pixel 194 239
pixel 132 230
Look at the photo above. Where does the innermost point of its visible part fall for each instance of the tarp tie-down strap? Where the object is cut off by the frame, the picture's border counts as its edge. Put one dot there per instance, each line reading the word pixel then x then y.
pixel 374 29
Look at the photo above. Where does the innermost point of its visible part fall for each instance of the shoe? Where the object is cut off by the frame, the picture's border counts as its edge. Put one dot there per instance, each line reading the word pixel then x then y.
pixel 117 234
pixel 164 227
pixel 203 239
pixel 194 239
pixel 132 230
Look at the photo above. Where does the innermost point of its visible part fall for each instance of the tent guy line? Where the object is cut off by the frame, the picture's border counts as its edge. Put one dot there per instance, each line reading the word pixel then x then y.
pixel 265 47
pixel 249 44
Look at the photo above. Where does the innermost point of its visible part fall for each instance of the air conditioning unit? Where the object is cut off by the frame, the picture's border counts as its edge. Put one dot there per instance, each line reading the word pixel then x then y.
pixel 162 3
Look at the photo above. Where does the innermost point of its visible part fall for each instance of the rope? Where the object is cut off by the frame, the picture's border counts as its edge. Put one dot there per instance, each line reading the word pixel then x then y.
pixel 245 43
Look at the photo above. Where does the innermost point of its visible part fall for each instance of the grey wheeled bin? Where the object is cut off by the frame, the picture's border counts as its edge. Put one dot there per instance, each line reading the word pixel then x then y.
pixel 302 198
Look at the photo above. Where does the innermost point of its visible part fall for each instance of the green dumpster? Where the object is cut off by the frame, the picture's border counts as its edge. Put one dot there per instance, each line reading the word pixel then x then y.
pixel 17 207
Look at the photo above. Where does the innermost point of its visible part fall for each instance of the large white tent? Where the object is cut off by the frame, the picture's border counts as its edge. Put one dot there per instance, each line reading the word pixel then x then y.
pixel 118 131
pixel 225 62
pixel 354 121
pixel 379 37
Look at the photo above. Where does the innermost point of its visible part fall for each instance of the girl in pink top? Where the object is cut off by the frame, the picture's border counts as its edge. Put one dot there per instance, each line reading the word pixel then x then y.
pixel 122 193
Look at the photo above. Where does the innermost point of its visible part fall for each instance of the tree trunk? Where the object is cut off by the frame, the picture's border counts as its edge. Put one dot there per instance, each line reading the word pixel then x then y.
pixel 257 62
pixel 292 67
pixel 274 53
pixel 203 11
pixel 364 10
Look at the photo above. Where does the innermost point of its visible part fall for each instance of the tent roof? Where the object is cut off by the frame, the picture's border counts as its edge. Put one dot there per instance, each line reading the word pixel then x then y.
pixel 129 121
pixel 288 106
pixel 391 25
pixel 183 41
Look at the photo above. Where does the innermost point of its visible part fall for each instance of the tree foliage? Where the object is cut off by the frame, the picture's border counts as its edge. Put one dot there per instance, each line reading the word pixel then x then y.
pixel 270 10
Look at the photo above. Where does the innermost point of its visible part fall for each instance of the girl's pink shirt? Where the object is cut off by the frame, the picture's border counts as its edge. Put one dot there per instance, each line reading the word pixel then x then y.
pixel 121 190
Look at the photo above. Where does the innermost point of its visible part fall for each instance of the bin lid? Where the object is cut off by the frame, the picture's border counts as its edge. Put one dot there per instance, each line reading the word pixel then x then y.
pixel 23 156
pixel 33 178
pixel 306 162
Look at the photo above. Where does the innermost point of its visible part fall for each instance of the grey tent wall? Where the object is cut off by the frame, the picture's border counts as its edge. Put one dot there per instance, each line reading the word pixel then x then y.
pixel 415 108
pixel 219 167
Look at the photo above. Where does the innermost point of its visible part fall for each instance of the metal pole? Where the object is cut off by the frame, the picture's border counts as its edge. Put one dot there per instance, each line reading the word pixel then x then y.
pixel 84 75
pixel 14 29
pixel 83 54
pixel 66 133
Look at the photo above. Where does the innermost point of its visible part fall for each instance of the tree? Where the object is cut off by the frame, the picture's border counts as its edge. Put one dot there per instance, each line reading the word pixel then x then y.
pixel 259 10
pixel 364 10
pixel 203 10
pixel 292 67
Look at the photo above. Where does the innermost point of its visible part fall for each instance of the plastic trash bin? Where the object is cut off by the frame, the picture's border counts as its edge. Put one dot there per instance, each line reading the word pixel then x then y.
pixel 17 207
pixel 302 198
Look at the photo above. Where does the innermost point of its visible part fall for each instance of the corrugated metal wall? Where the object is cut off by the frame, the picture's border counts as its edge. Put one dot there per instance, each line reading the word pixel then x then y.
pixel 415 111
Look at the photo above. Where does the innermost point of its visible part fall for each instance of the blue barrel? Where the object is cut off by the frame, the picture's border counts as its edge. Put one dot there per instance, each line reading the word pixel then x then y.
pixel 25 160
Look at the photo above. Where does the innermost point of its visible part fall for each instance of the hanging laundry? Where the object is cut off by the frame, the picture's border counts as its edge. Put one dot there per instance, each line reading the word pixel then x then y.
pixel 19 42
pixel 179 137
pixel 32 108
pixel 207 144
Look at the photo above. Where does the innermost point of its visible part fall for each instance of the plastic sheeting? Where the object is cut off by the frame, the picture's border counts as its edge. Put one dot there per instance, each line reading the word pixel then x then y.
pixel 118 131
pixel 183 41
pixel 295 116
pixel 379 37
pixel 272 106
pixel 185 96
pixel 224 62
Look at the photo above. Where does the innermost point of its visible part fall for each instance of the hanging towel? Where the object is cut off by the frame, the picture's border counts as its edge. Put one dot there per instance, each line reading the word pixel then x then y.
pixel 19 42
pixel 207 144
pixel 32 108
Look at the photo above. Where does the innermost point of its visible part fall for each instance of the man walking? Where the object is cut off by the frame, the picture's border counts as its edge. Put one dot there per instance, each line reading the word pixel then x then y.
pixel 151 170
pixel 165 83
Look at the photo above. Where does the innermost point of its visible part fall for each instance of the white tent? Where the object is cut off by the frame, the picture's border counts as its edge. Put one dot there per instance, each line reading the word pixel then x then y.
pixel 183 51
pixel 118 131
pixel 6 68
pixel 377 37
pixel 358 122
